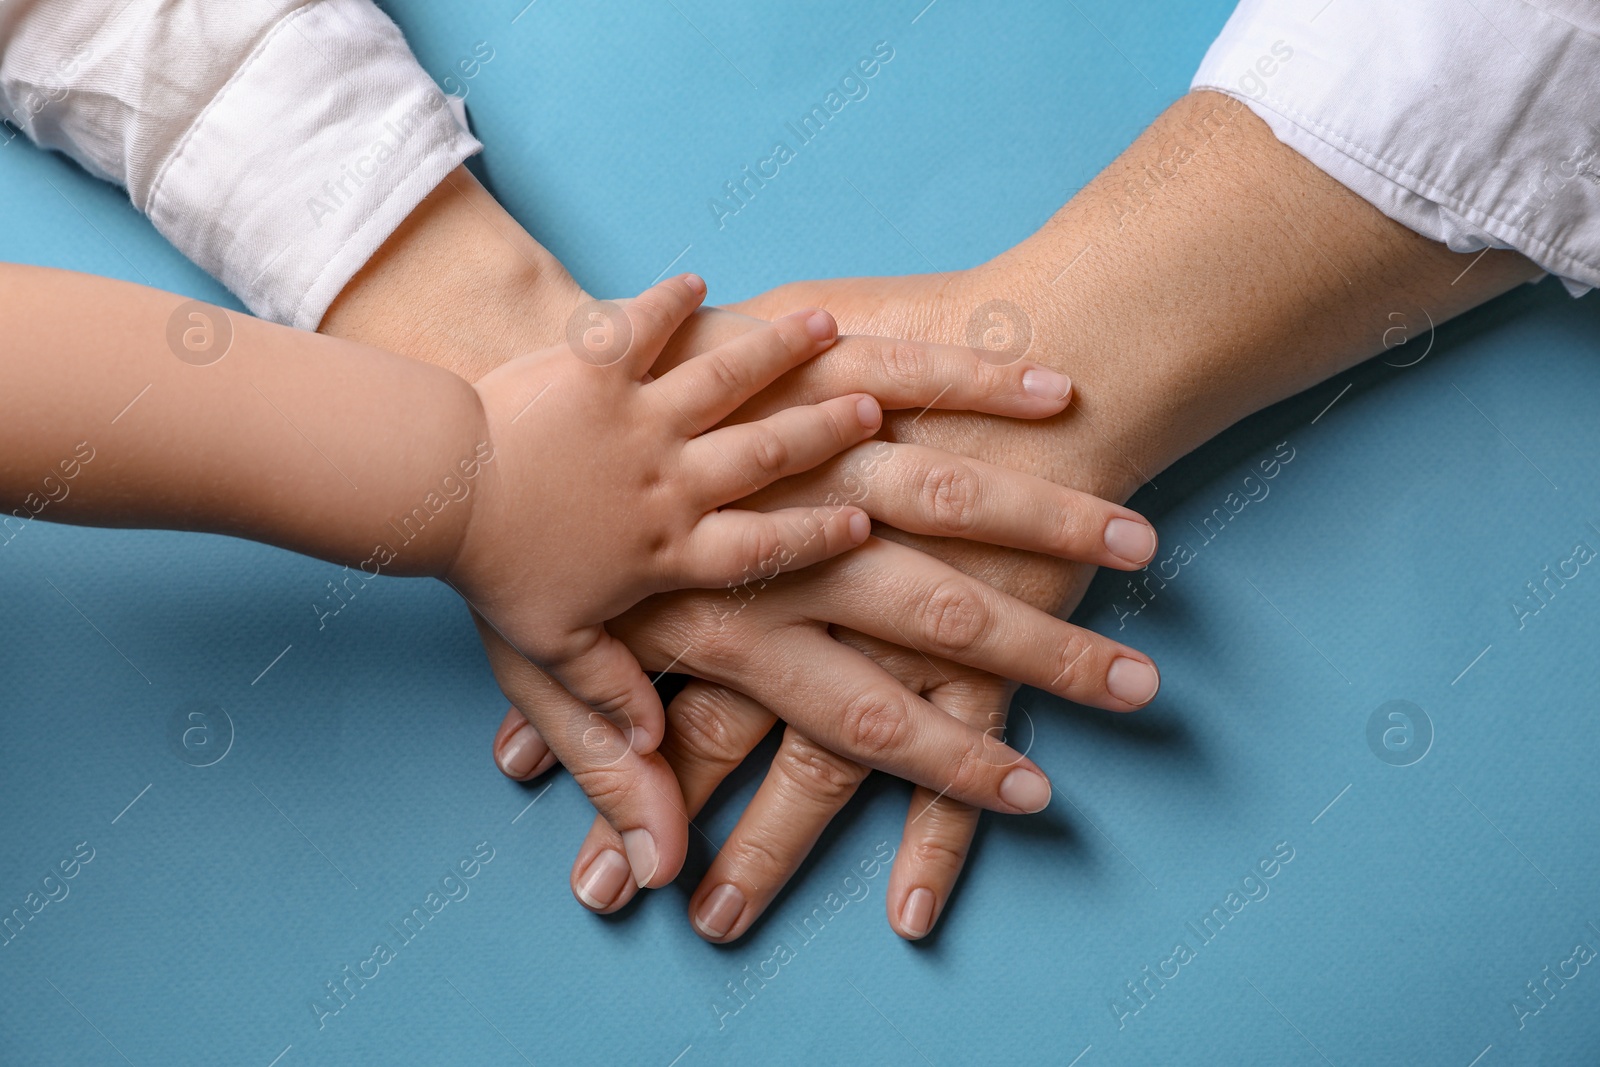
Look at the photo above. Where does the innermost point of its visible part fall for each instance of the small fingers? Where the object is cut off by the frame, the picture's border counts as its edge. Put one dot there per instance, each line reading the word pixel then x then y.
pixel 601 672
pixel 735 461
pixel 733 548
pixel 710 386
pixel 653 315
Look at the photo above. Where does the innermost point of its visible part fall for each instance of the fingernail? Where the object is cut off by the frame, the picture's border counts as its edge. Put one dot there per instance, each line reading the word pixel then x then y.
pixel 1133 681
pixel 607 874
pixel 916 914
pixel 642 856
pixel 1046 384
pixel 720 910
pixel 1025 789
pixel 819 324
pixel 1129 540
pixel 639 740
pixel 860 527
pixel 695 282
pixel 521 753
pixel 868 412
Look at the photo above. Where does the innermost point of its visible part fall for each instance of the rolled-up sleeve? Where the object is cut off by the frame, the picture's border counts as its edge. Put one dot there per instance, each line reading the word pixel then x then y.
pixel 276 143
pixel 1473 122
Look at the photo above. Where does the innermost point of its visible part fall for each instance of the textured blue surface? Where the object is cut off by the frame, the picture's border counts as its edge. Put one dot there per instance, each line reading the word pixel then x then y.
pixel 1382 565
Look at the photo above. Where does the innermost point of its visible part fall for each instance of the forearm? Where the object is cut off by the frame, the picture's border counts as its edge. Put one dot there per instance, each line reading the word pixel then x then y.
pixel 460 284
pixel 316 445
pixel 1207 273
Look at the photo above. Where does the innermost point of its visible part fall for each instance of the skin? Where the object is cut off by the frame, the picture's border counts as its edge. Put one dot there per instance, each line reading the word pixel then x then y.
pixel 423 473
pixel 1170 288
pixel 769 635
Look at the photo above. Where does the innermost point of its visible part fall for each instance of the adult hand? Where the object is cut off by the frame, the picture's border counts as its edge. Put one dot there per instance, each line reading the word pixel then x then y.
pixel 1173 291
pixel 717 636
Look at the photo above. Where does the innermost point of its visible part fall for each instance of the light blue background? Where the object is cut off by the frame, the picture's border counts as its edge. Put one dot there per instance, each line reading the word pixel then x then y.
pixel 1384 560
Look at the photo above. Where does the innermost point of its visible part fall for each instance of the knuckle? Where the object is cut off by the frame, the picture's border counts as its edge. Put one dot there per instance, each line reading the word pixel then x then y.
pixel 1080 526
pixel 968 775
pixel 903 367
pixel 715 632
pixel 816 773
pixel 953 619
pixel 701 730
pixel 789 337
pixel 609 788
pixel 759 860
pixel 763 548
pixel 949 495
pixel 1075 659
pixel 724 372
pixel 768 450
pixel 937 852
pixel 874 724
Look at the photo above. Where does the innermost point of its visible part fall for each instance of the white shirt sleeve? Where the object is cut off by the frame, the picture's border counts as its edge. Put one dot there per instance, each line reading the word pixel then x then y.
pixel 277 143
pixel 1469 121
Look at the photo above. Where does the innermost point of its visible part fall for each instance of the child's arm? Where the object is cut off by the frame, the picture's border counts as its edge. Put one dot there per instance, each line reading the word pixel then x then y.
pixel 554 494
pixel 290 438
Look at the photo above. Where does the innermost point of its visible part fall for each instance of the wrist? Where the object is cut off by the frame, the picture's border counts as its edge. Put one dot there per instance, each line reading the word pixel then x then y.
pixel 460 284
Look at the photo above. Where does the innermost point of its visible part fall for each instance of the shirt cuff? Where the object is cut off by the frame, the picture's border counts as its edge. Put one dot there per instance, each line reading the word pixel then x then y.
pixel 1469 131
pixel 312 154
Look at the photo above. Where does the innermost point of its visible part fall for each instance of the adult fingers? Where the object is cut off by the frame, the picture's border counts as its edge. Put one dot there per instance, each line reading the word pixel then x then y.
pixel 938 830
pixel 634 792
pixel 712 730
pixel 803 790
pixel 853 707
pixel 919 374
pixel 934 608
pixel 519 751
pixel 735 461
pixel 925 490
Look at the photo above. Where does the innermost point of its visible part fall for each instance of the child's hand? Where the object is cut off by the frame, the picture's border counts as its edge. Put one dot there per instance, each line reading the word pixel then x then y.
pixel 604 488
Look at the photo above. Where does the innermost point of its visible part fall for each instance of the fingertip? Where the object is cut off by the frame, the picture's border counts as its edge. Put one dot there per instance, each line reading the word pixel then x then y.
pixel 1025 790
pixel 644 859
pixel 522 754
pixel 718 912
pixel 860 526
pixel 1133 680
pixel 869 412
pixel 605 882
pixel 1043 383
pixel 643 738
pixel 917 914
pixel 1131 540
pixel 696 284
pixel 820 326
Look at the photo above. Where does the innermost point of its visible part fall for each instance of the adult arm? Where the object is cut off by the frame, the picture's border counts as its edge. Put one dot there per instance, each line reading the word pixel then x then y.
pixel 220 155
pixel 1246 275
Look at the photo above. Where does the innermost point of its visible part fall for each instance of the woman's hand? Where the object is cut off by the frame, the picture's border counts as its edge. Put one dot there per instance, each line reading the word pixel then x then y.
pixel 773 640
pixel 1175 321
